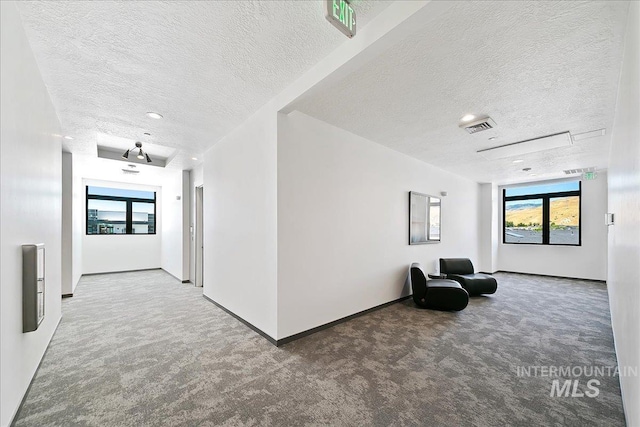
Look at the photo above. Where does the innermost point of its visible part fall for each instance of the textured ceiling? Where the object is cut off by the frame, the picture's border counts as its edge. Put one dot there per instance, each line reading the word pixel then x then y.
pixel 537 68
pixel 205 66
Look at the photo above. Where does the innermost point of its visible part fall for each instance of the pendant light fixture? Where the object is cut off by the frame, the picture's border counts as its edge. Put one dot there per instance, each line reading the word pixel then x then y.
pixel 141 154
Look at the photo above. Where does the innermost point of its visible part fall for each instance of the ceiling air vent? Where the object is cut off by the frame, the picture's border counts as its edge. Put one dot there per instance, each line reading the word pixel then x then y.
pixel 557 140
pixel 131 171
pixel 591 134
pixel 579 170
pixel 484 123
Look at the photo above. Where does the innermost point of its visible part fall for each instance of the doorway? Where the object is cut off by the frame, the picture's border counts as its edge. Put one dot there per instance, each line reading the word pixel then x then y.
pixel 199 237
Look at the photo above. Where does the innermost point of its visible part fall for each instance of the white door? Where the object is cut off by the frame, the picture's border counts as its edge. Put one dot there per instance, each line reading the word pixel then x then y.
pixel 199 237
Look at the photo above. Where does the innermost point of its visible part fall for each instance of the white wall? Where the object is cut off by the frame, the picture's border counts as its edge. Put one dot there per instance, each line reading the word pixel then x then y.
pixel 588 261
pixel 489 228
pixel 111 253
pixel 624 237
pixel 171 232
pixel 30 207
pixel 240 208
pixel 343 222
pixel 240 177
pixel 67 224
pixel 196 179
pixel 71 225
pixel 77 226
pixel 186 222
pixel 167 249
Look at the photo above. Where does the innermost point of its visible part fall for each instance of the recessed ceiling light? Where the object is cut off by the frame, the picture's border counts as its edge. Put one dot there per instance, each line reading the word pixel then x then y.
pixel 68 137
pixel 518 161
pixel 467 117
pixel 154 115
pixel 194 158
pixel 147 133
pixel 493 138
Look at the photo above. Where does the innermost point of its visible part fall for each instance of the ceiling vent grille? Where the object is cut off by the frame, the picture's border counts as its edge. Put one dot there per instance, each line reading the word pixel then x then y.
pixel 579 170
pixel 557 140
pixel 479 125
pixel 130 171
pixel 591 134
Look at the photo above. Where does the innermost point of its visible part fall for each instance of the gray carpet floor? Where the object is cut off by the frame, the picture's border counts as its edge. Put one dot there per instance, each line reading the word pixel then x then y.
pixel 142 349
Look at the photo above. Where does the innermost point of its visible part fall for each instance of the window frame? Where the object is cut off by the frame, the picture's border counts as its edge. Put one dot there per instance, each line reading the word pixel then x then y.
pixel 128 213
pixel 546 213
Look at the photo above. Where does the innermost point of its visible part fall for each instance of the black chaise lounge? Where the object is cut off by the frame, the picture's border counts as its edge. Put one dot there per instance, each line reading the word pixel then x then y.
pixel 461 270
pixel 438 294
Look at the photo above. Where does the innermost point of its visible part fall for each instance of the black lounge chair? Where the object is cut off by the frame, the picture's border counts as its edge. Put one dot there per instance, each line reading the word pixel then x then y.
pixel 438 294
pixel 461 270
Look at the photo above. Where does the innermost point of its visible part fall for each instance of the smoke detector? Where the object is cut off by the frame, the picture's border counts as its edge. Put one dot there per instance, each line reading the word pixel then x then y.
pixel 478 125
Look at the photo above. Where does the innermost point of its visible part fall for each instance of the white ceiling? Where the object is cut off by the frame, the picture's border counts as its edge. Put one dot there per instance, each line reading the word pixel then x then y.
pixel 205 66
pixel 537 68
pixel 91 167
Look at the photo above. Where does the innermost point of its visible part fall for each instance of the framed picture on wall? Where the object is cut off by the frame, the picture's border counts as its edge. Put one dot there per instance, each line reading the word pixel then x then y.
pixel 424 218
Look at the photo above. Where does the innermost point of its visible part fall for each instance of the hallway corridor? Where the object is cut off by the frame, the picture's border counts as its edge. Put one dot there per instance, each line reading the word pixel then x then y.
pixel 142 349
